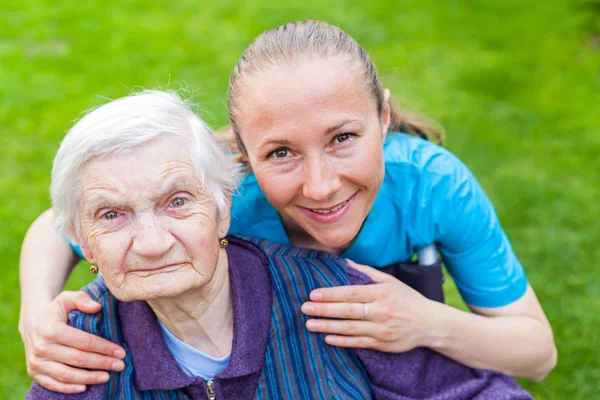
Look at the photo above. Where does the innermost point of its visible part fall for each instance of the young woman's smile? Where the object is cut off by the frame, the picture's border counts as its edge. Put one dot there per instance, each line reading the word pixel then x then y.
pixel 329 214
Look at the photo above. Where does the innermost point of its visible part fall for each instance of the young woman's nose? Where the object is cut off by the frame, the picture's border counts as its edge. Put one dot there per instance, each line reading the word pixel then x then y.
pixel 320 179
pixel 151 239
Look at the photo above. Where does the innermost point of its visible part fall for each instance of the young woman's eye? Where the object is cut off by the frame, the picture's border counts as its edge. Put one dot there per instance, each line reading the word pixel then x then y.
pixel 178 202
pixel 342 137
pixel 281 152
pixel 110 215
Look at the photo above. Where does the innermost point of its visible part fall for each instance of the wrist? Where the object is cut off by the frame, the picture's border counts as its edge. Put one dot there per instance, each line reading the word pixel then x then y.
pixel 437 333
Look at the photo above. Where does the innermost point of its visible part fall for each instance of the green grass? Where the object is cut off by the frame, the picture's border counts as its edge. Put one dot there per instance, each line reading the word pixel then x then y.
pixel 516 86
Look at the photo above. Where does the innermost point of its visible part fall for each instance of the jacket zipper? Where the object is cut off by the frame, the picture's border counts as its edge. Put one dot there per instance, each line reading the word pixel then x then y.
pixel 210 390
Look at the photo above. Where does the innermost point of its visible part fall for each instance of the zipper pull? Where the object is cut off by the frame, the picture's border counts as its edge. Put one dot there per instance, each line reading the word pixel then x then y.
pixel 210 390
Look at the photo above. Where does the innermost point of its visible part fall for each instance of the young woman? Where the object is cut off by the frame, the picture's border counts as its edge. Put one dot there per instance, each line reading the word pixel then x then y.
pixel 332 170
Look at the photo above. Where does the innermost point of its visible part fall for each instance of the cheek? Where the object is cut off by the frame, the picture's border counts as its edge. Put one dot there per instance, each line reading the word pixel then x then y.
pixel 203 253
pixel 367 168
pixel 198 236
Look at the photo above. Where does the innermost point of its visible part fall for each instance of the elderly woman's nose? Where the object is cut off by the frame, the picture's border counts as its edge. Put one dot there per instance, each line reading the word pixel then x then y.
pixel 152 238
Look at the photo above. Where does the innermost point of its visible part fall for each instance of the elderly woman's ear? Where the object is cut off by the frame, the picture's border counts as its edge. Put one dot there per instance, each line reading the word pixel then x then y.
pixel 85 250
pixel 223 218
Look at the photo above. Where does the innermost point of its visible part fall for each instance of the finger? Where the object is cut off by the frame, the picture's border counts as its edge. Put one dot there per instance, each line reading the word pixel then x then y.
pixel 79 300
pixel 82 359
pixel 71 376
pixel 373 273
pixel 345 294
pixel 341 327
pixel 78 339
pixel 357 342
pixel 336 310
pixel 56 386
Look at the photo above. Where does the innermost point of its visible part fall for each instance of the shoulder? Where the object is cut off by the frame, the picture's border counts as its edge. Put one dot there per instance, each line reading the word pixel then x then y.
pixel 246 250
pixel 273 250
pixel 106 317
pixel 426 176
pixel 98 290
pixel 421 157
pixel 299 264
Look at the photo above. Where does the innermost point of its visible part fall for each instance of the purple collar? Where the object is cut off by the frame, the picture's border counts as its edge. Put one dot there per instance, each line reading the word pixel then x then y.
pixel 154 366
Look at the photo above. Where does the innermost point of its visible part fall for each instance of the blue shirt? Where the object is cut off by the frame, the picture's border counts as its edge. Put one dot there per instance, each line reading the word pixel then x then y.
pixel 428 196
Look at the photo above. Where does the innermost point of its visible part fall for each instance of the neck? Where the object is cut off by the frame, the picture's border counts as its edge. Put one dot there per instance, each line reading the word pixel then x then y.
pixel 201 317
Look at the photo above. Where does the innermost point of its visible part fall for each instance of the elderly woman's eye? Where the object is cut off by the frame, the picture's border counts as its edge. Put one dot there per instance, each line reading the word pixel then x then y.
pixel 110 215
pixel 178 202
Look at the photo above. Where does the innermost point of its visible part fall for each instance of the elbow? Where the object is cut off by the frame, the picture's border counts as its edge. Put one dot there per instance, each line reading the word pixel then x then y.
pixel 545 367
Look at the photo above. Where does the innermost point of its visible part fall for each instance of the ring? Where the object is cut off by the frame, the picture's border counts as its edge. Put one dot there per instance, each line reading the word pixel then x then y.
pixel 366 311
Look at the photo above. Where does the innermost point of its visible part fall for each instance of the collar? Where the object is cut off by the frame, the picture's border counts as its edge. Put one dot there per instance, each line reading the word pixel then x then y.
pixel 154 365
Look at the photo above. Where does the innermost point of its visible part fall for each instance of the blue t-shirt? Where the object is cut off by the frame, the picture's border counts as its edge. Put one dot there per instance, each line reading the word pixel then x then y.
pixel 428 196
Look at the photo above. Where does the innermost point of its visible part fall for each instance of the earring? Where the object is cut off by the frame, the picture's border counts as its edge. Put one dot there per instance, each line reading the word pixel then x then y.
pixel 94 269
pixel 223 243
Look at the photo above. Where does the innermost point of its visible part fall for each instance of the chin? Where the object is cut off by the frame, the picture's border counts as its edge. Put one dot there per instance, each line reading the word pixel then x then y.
pixel 337 239
pixel 152 288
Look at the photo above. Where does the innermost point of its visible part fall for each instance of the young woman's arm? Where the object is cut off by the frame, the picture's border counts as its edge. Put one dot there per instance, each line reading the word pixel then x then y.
pixel 515 339
pixel 52 347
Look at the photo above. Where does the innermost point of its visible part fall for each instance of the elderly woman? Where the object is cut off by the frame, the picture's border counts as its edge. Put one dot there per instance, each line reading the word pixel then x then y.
pixel 142 186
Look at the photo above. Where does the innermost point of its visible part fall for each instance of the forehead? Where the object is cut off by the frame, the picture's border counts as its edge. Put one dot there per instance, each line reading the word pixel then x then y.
pixel 315 92
pixel 141 170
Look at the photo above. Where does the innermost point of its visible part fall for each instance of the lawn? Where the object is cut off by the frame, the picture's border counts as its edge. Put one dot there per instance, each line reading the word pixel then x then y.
pixel 517 88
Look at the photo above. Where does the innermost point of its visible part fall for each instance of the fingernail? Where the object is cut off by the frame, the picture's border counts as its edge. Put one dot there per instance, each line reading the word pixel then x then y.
pixel 118 365
pixel 308 308
pixel 79 389
pixel 316 296
pixel 120 353
pixel 91 303
pixel 103 378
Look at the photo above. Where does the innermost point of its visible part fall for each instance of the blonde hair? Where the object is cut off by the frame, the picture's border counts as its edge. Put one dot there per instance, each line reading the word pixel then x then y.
pixel 297 41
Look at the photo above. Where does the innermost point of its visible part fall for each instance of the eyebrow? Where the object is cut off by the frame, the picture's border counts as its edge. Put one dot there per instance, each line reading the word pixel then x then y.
pixel 285 142
pixel 100 202
pixel 338 126
pixel 176 185
pixel 103 201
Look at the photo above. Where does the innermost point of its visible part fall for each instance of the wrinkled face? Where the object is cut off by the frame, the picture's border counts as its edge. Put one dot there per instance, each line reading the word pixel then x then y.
pixel 315 143
pixel 148 222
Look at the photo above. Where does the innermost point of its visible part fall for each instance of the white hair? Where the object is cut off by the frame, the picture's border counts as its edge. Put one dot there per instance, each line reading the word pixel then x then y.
pixel 124 124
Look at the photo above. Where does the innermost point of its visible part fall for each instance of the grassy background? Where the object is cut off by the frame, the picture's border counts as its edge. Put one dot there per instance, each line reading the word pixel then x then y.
pixel 516 86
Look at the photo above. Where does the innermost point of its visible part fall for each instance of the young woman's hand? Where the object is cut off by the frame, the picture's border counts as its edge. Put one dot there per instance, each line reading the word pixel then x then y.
pixel 387 315
pixel 56 352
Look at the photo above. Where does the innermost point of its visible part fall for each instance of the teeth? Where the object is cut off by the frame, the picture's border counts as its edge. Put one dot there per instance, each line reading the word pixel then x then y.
pixel 331 210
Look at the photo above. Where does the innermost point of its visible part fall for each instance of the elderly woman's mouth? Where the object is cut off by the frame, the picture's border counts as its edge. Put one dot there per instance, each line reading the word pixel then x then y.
pixel 148 271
